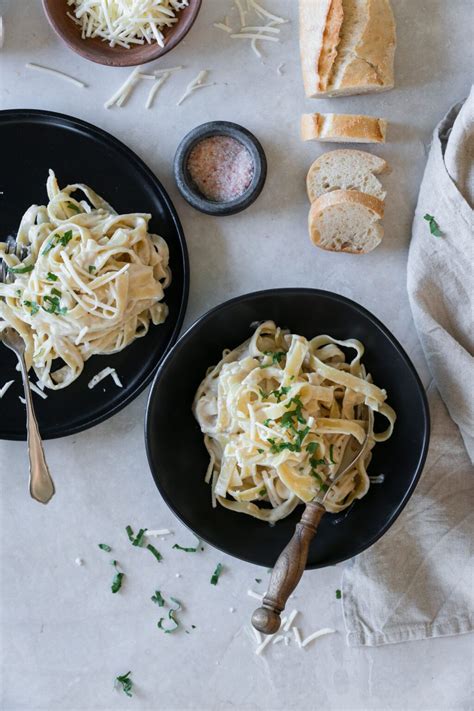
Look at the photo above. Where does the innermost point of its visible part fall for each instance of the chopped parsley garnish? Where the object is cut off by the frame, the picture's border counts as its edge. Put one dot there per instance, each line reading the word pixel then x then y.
pixel 56 292
pixel 104 547
pixel 92 268
pixel 156 553
pixel 263 491
pixel 338 594
pixel 279 394
pixel 73 207
pixel 54 305
pixel 21 270
pixel 276 358
pixel 117 582
pixel 33 306
pixel 267 422
pixel 58 239
pixel 216 574
pixel 331 454
pixel 139 537
pixel 312 447
pixel 186 550
pixel 126 683
pixel 434 227
pixel 51 277
pixel 130 534
pixel 260 451
pixel 172 617
pixel 158 598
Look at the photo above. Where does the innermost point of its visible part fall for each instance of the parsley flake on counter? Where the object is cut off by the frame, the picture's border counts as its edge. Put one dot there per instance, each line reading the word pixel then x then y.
pixel 158 598
pixel 172 617
pixel 21 270
pixel 434 227
pixel 126 683
pixel 216 574
pixel 130 534
pixel 187 550
pixel 338 594
pixel 104 547
pixel 117 582
pixel 258 580
pixel 156 553
pixel 139 537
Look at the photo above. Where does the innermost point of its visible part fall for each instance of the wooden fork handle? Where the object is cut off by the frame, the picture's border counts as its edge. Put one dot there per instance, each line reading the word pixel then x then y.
pixel 287 571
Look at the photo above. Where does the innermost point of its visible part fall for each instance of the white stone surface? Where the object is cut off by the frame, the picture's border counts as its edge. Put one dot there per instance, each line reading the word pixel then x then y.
pixel 64 636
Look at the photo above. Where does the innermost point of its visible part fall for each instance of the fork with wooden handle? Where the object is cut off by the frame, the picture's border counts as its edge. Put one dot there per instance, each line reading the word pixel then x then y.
pixel 291 562
pixel 41 483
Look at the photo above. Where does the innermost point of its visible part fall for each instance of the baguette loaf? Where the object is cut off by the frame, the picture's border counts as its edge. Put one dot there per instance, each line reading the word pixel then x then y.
pixel 343 128
pixel 346 221
pixel 346 46
pixel 347 170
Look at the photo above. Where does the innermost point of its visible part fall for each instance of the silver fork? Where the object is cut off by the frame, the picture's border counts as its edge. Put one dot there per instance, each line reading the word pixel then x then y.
pixel 41 484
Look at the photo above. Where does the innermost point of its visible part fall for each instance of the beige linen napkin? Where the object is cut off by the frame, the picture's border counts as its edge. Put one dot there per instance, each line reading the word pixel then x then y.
pixel 417 581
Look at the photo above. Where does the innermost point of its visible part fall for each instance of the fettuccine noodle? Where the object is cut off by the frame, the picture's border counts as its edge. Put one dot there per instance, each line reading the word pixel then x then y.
pixel 280 415
pixel 91 283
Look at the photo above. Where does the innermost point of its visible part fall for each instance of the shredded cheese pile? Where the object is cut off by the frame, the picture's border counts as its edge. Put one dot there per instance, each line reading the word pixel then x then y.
pixel 126 22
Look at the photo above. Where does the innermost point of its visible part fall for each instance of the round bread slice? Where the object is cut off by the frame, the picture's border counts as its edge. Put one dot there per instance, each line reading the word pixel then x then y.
pixel 346 221
pixel 346 169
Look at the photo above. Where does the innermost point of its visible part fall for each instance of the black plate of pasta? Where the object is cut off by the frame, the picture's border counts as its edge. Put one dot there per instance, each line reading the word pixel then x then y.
pixel 98 283
pixel 260 404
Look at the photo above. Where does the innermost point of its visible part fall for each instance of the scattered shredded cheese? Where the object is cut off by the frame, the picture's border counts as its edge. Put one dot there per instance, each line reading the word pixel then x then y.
pixel 158 532
pixel 280 68
pixel 241 11
pixel 22 399
pixel 155 89
pixel 5 387
pixel 222 26
pixel 257 596
pixel 315 635
pixel 196 83
pixel 290 620
pixel 61 75
pixel 127 85
pixel 79 561
pixel 279 638
pixel 249 35
pixel 297 636
pixel 37 390
pixel 261 12
pixel 379 479
pixel 104 374
pixel 257 634
pixel 2 33
pixel 269 638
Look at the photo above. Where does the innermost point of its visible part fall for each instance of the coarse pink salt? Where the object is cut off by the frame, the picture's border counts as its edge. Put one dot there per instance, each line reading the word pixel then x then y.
pixel 221 168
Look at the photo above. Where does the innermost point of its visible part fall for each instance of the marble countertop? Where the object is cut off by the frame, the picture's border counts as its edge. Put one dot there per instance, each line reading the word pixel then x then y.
pixel 64 637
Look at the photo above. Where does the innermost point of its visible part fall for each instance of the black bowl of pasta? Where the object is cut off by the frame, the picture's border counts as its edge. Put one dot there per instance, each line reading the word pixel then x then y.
pixel 235 450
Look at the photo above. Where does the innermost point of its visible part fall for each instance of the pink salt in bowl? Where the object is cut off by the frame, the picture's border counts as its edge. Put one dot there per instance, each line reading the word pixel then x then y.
pixel 220 168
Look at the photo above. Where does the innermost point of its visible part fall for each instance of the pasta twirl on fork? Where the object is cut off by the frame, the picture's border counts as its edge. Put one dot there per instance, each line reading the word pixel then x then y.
pixel 278 415
pixel 91 283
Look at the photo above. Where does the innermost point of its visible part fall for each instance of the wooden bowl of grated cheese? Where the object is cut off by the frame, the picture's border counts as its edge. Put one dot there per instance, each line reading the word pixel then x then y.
pixel 108 34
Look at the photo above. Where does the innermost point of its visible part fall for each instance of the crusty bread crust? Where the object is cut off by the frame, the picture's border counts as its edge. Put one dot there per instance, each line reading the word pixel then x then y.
pixel 344 128
pixel 312 19
pixel 354 56
pixel 331 36
pixel 344 199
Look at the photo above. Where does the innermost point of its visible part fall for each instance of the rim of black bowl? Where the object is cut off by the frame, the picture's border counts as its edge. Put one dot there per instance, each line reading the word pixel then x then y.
pixel 186 185
pixel 275 292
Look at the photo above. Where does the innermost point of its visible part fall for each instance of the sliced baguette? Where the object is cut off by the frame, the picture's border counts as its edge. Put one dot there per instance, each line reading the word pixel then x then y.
pixel 346 46
pixel 346 169
pixel 346 221
pixel 343 128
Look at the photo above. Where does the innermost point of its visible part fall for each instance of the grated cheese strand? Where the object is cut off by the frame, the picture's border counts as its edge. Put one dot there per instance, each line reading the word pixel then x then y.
pixel 196 83
pixel 315 635
pixel 5 387
pixel 222 26
pixel 123 88
pixel 249 35
pixel 155 89
pixel 257 596
pixel 292 616
pixel 265 13
pixel 241 11
pixel 297 636
pixel 34 388
pixel 2 32
pixel 55 72
pixel 101 375
pixel 269 638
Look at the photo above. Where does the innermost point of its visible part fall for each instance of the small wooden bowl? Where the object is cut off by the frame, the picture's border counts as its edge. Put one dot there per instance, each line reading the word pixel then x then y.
pixel 99 51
